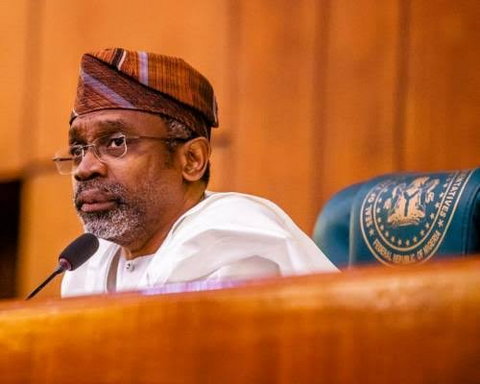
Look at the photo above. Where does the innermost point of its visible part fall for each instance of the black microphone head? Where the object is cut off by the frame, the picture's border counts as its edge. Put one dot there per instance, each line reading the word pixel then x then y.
pixel 78 252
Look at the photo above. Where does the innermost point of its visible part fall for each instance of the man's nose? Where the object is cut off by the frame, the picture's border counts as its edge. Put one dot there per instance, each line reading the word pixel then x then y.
pixel 90 166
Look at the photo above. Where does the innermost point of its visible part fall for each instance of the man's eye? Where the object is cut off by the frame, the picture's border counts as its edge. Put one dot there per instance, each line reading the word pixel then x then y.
pixel 76 151
pixel 115 142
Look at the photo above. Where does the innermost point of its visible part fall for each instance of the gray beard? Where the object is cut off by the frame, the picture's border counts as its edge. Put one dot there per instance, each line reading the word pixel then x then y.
pixel 119 225
pixel 122 225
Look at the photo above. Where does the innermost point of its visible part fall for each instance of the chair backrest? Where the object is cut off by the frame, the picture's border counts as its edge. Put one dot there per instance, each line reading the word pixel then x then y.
pixel 402 218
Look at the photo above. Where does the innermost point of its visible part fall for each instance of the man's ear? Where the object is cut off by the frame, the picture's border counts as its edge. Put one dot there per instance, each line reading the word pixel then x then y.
pixel 195 155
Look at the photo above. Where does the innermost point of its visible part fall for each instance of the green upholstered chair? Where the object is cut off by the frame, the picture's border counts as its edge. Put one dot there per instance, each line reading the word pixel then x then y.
pixel 402 219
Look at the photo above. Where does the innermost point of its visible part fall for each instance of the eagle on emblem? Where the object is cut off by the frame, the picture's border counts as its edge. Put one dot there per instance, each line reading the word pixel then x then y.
pixel 407 204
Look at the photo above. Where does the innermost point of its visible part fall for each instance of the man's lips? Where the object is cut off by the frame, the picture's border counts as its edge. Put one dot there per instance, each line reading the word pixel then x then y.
pixel 98 206
pixel 95 200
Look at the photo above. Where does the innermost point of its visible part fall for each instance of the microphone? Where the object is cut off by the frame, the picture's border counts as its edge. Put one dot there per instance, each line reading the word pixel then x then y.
pixel 72 257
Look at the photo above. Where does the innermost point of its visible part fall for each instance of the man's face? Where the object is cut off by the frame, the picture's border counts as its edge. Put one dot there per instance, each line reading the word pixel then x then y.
pixel 130 199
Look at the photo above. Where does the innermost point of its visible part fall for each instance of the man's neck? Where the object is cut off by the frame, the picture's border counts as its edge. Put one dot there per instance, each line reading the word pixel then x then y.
pixel 154 242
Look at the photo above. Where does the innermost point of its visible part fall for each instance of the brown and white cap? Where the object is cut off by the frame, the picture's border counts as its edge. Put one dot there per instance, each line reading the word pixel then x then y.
pixel 120 79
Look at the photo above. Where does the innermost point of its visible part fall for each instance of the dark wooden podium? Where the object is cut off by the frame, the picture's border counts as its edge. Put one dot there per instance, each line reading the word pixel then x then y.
pixel 412 325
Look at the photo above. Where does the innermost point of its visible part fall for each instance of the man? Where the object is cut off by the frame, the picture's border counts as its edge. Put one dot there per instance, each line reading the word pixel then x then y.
pixel 139 155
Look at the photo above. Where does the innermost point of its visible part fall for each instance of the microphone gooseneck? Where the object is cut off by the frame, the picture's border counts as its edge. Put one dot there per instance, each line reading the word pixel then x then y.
pixel 40 287
pixel 72 257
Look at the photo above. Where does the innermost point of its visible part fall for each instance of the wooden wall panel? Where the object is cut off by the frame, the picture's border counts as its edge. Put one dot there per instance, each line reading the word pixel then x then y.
pixel 314 95
pixel 13 38
pixel 442 121
pixel 356 127
pixel 274 122
pixel 48 226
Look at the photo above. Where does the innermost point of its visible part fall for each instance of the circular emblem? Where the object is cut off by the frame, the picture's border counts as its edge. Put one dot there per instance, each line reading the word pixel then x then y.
pixel 404 221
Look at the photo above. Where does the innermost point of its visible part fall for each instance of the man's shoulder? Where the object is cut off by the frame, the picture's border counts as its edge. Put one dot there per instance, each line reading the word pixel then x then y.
pixel 239 206
pixel 214 198
pixel 235 225
pixel 234 212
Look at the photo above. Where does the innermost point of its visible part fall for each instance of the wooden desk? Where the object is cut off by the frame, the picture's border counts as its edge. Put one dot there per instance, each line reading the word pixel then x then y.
pixel 413 325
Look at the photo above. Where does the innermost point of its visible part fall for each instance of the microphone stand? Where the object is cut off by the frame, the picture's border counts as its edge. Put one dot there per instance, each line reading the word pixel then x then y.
pixel 58 271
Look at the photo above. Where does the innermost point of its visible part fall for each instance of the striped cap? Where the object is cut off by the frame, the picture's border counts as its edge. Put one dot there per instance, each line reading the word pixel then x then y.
pixel 121 79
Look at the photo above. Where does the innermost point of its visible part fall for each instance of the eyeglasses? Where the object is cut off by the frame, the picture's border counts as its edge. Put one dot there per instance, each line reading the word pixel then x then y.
pixel 105 149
